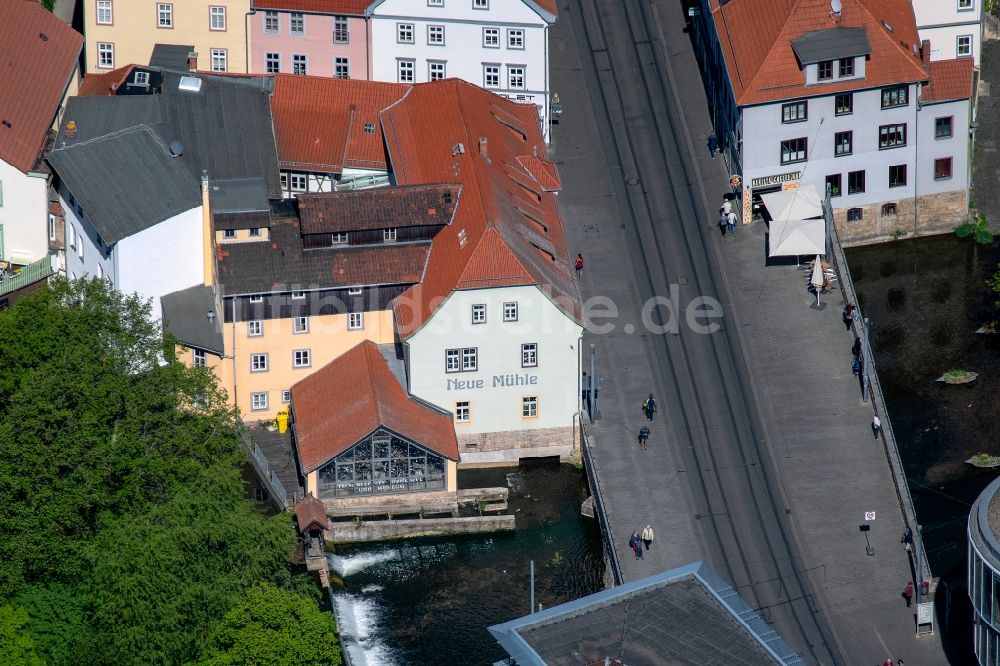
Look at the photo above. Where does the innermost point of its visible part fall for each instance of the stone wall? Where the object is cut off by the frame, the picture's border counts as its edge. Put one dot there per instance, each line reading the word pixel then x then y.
pixel 520 440
pixel 380 530
pixel 937 214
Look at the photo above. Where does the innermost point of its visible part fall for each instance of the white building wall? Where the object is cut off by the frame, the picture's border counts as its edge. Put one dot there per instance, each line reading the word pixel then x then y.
pixel 943 21
pixel 85 253
pixel 23 214
pixel 496 405
pixel 956 147
pixel 464 54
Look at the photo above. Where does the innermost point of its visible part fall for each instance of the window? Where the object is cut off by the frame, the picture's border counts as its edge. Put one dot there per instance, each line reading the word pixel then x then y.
pixel 895 96
pixel 198 358
pixel 479 313
pixel 256 298
pixel 404 33
pixel 254 232
pixel 515 77
pixel 480 4
pixel 855 215
pixel 793 150
pixel 52 220
pixel 219 60
pixel 229 233
pixel 491 38
pixel 843 143
pixel 341 31
pixel 79 249
pixel 297 23
pixel 892 136
pixel 942 128
pixel 100 271
pixel 355 321
pixel 389 235
pixel 341 68
pixel 470 360
pixel 298 67
pixel 105 55
pixel 491 76
pixel 105 15
pixel 461 360
pixel 298 295
pixel 354 291
pixel 271 22
pixel 339 238
pixel 71 236
pixel 824 70
pixel 963 45
pixel 286 395
pixel 217 18
pixel 435 35
pixel 255 328
pixel 889 210
pixel 964 5
pixel 258 401
pixel 844 104
pixel 435 70
pixel 301 358
pixel 272 63
pixel 942 168
pixel 897 175
pixel 300 324
pixel 510 311
pixel 833 185
pixel 794 112
pixel 404 70
pixel 846 67
pixel 515 38
pixel 856 182
pixel 298 180
pixel 529 407
pixel 452 360
pixel 529 355
pixel 142 78
pixel 258 362
pixel 164 15
pixel 435 3
pixel 462 412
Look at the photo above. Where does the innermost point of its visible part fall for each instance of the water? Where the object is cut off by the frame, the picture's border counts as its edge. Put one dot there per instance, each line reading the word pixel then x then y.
pixel 429 601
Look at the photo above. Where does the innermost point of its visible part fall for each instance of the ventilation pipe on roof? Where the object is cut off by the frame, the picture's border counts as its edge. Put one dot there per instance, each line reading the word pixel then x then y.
pixel 925 52
pixel 192 61
pixel 483 145
pixel 458 149
pixel 836 10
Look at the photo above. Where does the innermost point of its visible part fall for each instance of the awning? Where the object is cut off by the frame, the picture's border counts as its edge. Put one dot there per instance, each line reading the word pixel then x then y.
pixel 801 203
pixel 791 238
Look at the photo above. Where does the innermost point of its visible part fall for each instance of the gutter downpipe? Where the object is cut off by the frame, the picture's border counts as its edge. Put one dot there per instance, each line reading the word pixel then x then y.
pixel 916 158
pixel 246 36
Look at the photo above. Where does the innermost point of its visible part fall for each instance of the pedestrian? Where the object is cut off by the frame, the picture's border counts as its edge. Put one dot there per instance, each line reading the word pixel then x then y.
pixel 876 426
pixel 848 315
pixel 647 536
pixel 649 406
pixel 908 593
pixel 635 543
pixel 643 436
pixel 856 347
pixel 856 366
pixel 907 539
pixel 899 662
pixel 723 222
pixel 713 144
pixel 727 207
pixel 887 662
pixel 579 266
pixel 731 222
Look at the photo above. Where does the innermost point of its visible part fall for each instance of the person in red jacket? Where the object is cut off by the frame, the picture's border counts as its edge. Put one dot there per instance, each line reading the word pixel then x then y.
pixel 579 266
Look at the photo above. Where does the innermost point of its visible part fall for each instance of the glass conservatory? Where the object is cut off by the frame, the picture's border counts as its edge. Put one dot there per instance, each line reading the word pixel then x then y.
pixel 381 464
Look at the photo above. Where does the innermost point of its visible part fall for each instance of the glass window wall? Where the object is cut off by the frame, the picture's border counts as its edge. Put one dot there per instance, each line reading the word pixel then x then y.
pixel 379 465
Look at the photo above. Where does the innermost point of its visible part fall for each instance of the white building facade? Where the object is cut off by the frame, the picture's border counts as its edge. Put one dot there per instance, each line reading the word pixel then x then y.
pixel 505 362
pixel 23 211
pixel 954 27
pixel 501 45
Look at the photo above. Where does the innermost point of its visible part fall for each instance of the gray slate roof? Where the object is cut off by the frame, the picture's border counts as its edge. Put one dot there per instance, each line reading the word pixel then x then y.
pixel 239 195
pixel 225 128
pixel 683 617
pixel 185 316
pixel 831 44
pixel 170 56
pixel 126 181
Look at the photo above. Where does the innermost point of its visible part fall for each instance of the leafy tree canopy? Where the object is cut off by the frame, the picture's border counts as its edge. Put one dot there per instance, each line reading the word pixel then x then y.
pixel 16 646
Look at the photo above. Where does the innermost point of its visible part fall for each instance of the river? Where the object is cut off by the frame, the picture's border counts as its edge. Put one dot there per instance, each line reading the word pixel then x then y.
pixel 429 601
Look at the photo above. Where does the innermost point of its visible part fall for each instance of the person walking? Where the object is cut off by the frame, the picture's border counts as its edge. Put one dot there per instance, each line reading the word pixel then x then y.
pixel 579 266
pixel 727 207
pixel 643 436
pixel 649 407
pixel 908 593
pixel 856 347
pixel 723 222
pixel 856 366
pixel 635 543
pixel 848 316
pixel 731 222
pixel 713 144
pixel 647 536
pixel 907 539
pixel 876 426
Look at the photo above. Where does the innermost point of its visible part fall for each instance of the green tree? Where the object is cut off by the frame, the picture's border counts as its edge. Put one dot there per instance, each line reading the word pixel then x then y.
pixel 276 627
pixel 57 621
pixel 16 646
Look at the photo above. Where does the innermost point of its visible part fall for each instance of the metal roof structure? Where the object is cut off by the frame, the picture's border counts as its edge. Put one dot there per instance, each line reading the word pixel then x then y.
pixel 125 181
pixel 170 56
pixel 185 316
pixel 683 617
pixel 239 195
pixel 831 44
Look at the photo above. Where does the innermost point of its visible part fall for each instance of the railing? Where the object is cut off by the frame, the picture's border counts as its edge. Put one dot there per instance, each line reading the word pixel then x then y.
pixel 361 183
pixel 878 399
pixel 274 486
pixel 29 274
pixel 602 518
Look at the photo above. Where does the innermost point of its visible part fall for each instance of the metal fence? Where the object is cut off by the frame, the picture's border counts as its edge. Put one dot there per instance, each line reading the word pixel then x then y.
pixel 839 261
pixel 611 555
pixel 29 274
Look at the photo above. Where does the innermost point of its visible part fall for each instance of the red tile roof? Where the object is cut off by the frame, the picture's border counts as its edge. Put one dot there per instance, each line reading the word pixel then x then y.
pixel 381 208
pixel 311 514
pixel 352 396
pixel 548 5
pixel 756 38
pixel 319 122
pixel 508 229
pixel 950 80
pixel 543 171
pixel 98 85
pixel 40 55
pixel 342 7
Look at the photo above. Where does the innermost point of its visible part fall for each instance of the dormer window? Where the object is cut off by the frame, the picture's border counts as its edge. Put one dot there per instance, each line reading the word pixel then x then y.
pixel 846 67
pixel 824 70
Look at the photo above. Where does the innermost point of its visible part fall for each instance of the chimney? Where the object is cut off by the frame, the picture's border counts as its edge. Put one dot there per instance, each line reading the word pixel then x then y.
pixel 70 129
pixel 207 233
pixel 925 52
pixel 483 147
pixel 192 61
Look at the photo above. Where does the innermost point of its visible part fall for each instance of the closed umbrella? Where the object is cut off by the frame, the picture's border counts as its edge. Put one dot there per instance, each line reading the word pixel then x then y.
pixel 816 280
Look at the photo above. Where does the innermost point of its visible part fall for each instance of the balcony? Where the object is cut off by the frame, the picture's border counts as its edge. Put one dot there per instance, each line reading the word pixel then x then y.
pixel 13 279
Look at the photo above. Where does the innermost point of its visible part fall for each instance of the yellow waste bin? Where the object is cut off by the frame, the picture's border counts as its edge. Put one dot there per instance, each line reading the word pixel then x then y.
pixel 282 419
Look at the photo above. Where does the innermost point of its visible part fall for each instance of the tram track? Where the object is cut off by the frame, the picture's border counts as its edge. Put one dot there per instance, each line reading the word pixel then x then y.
pixel 748 537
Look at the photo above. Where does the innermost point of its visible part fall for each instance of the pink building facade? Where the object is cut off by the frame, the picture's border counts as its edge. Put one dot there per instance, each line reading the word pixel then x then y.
pixel 285 40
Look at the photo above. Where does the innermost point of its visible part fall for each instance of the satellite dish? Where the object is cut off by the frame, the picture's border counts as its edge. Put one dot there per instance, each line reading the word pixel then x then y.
pixel 835 6
pixel 176 148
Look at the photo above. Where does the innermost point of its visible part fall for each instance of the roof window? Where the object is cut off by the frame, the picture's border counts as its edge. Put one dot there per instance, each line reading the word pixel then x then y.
pixel 369 128
pixel 189 84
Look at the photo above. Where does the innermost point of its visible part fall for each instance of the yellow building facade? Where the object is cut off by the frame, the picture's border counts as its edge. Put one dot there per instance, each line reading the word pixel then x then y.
pixel 123 32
